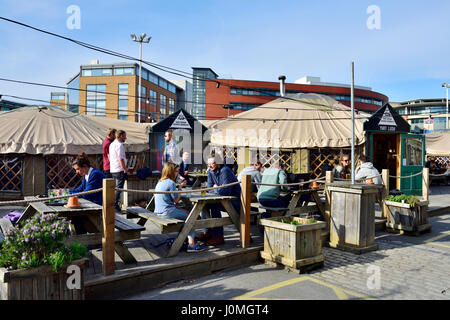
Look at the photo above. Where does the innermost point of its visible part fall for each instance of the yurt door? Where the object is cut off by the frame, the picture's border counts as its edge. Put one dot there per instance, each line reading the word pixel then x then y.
pixel 412 150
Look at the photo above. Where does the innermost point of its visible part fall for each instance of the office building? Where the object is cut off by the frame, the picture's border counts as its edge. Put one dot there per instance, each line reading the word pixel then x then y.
pixel 111 90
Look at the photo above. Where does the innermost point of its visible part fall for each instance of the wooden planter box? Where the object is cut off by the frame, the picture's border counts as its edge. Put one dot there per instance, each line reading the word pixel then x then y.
pixel 40 283
pixel 298 247
pixel 352 221
pixel 403 217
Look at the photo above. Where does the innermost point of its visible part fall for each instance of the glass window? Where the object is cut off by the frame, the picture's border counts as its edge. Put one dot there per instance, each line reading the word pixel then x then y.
pixel 152 78
pixel 153 99
pixel 172 88
pixel 144 74
pixel 96 72
pixel 96 99
pixel 123 71
pixel 123 102
pixel 171 105
pixel 163 83
pixel 413 151
pixel 162 104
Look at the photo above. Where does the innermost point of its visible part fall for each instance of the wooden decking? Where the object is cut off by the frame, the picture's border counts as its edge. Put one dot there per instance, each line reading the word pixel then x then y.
pixel 153 269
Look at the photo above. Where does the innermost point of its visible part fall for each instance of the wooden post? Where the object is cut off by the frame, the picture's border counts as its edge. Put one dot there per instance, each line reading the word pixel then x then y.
pixel 246 195
pixel 426 184
pixel 108 217
pixel 385 178
pixel 329 178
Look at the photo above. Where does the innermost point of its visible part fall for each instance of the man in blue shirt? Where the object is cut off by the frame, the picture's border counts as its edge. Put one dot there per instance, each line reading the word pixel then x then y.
pixel 218 175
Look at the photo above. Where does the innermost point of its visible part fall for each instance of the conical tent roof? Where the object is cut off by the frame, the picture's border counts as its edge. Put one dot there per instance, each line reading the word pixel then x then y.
pixel 295 121
pixel 50 130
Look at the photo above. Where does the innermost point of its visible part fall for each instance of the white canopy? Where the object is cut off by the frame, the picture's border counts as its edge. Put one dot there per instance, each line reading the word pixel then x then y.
pixel 438 143
pixel 50 130
pixel 297 121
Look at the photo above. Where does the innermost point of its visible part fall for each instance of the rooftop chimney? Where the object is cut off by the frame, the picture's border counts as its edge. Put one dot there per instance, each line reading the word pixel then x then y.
pixel 282 90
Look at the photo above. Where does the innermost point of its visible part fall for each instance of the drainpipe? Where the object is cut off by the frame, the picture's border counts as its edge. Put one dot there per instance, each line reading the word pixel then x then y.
pixel 282 89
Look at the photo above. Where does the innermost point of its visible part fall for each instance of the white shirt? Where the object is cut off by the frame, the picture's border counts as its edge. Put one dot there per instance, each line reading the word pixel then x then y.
pixel 87 176
pixel 116 152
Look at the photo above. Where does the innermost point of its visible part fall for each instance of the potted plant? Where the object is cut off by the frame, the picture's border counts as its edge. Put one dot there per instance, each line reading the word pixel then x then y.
pixel 407 213
pixel 34 261
pixel 294 242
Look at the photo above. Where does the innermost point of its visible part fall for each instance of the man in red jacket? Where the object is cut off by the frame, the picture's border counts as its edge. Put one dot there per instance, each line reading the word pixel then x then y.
pixel 110 136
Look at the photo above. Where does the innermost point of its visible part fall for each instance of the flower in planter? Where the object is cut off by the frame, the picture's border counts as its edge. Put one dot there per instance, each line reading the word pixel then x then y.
pixel 412 200
pixel 39 241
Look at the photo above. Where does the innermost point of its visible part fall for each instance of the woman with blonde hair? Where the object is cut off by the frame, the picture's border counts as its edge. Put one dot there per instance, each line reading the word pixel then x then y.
pixel 165 203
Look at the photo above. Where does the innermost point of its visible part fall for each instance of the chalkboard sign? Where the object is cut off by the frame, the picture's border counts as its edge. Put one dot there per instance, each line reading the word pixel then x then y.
pixel 387 119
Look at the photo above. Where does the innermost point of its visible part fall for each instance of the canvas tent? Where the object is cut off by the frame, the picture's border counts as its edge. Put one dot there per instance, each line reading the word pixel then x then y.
pixel 50 130
pixel 296 124
pixel 437 143
pixel 38 143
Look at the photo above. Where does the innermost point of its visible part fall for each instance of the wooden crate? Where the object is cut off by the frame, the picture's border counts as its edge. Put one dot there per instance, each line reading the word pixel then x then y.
pixel 40 283
pixel 128 199
pixel 403 217
pixel 352 221
pixel 298 247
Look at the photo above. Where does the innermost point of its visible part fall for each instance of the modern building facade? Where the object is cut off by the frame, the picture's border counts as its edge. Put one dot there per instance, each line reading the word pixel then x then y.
pixel 59 99
pixel 199 90
pixel 218 98
pixel 111 90
pixel 184 94
pixel 424 115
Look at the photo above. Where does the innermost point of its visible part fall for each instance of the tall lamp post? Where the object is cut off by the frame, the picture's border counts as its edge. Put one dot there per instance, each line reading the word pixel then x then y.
pixel 445 85
pixel 140 39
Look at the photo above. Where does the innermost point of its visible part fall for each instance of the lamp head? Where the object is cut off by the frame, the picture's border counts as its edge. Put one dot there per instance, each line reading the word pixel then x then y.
pixel 444 85
pixel 143 35
pixel 133 37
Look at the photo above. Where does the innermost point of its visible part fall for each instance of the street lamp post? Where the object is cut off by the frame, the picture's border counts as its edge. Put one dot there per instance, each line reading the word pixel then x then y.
pixel 446 86
pixel 140 39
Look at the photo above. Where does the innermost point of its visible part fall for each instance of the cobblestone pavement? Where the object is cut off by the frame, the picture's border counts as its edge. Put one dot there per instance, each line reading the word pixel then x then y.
pixel 408 268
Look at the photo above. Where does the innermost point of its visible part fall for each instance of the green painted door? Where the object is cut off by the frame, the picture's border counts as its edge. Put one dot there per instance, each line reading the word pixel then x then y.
pixel 412 150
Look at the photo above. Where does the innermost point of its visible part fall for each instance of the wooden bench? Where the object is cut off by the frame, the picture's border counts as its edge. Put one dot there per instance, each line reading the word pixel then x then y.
pixel 167 225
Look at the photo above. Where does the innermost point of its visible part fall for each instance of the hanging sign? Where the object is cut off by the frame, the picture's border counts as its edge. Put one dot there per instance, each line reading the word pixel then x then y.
pixel 387 122
pixel 181 122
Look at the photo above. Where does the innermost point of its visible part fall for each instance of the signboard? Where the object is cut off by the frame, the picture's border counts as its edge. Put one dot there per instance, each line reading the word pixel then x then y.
pixel 387 122
pixel 387 119
pixel 181 122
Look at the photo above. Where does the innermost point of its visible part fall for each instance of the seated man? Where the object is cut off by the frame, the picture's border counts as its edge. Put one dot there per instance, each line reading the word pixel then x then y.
pixel 219 174
pixel 255 172
pixel 184 170
pixel 366 170
pixel 269 196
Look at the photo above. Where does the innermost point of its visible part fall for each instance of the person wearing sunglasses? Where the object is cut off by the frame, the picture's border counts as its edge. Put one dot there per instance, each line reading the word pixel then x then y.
pixel 343 168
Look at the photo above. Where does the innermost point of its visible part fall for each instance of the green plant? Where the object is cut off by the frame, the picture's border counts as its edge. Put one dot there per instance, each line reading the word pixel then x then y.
pixel 39 241
pixel 411 200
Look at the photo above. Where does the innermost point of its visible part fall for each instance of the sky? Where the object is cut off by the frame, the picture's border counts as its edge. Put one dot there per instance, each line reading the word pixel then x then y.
pixel 399 48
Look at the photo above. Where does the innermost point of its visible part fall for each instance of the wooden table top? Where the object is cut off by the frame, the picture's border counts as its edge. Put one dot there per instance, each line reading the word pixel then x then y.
pixel 210 197
pixel 87 207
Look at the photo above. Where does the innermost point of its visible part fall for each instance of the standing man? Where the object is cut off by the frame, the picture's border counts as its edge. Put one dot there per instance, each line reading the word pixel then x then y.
pixel 110 136
pixel 171 151
pixel 118 162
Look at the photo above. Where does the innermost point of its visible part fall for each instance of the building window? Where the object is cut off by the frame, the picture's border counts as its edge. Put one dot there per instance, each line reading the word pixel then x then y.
pixel 96 72
pixel 171 105
pixel 123 71
pixel 163 83
pixel 123 102
pixel 96 100
pixel 162 106
pixel 144 74
pixel 172 88
pixel 242 106
pixel 73 94
pixel 58 96
pixel 153 78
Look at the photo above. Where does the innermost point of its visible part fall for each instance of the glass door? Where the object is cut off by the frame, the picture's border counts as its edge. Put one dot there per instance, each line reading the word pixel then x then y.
pixel 412 150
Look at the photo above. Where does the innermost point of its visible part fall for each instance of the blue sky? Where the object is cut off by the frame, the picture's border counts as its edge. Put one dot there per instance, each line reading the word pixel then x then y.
pixel 407 58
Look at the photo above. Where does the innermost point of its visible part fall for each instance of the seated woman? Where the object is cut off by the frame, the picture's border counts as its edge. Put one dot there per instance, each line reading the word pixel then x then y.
pixel 92 179
pixel 165 203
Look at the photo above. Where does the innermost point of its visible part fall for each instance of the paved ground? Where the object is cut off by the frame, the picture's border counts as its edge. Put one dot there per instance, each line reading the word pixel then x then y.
pixel 403 268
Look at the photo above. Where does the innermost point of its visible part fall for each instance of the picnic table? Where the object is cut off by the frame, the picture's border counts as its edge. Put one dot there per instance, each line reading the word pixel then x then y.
pixel 127 230
pixel 293 209
pixel 199 178
pixel 192 222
